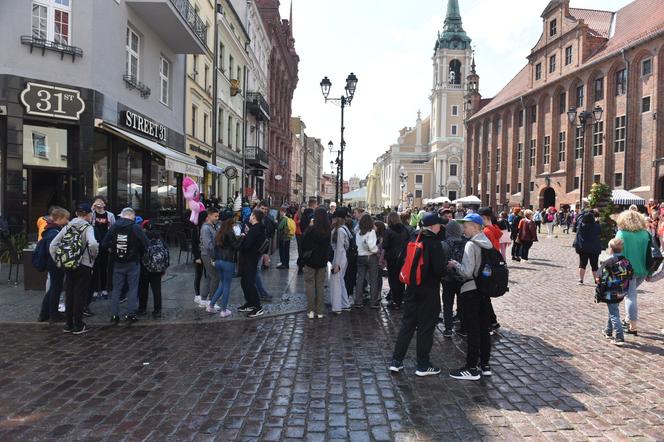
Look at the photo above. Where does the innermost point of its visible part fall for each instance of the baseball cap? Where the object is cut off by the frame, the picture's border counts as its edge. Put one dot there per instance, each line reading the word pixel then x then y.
pixel 84 208
pixel 472 218
pixel 431 219
pixel 226 214
pixel 341 212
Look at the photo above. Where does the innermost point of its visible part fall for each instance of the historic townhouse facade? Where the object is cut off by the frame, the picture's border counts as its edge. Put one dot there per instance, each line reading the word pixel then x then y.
pixel 522 148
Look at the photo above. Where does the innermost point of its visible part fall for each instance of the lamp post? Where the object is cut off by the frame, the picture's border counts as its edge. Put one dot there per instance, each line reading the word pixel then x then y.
pixel 338 187
pixel 586 118
pixel 403 178
pixel 345 100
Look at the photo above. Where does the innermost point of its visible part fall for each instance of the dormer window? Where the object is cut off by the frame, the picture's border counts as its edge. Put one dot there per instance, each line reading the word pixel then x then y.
pixel 553 27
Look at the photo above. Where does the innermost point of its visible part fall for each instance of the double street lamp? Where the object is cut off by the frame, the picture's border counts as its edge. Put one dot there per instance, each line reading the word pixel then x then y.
pixel 403 178
pixel 586 118
pixel 345 100
pixel 336 163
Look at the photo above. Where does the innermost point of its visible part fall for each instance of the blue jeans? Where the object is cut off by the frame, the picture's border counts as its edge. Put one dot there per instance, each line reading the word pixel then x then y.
pixel 631 306
pixel 126 276
pixel 225 271
pixel 614 322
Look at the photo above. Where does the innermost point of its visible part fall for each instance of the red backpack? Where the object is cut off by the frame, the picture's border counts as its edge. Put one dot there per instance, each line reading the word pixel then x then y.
pixel 411 271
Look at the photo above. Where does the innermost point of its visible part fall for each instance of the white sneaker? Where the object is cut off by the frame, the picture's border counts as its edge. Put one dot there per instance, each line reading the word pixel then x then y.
pixel 204 304
pixel 321 316
pixel 211 309
pixel 197 300
pixel 95 294
pixel 311 315
pixel 61 307
pixel 225 314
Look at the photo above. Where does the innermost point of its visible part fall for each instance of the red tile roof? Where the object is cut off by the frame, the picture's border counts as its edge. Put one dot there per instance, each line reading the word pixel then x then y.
pixel 635 22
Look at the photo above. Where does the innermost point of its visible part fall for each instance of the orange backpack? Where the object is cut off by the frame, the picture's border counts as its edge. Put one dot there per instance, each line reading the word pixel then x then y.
pixel 411 271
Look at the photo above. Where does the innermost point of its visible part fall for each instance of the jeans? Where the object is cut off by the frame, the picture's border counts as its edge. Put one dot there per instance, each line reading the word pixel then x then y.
pixel 76 290
pixel 614 321
pixel 225 272
pixel 126 276
pixel 284 253
pixel 396 286
pixel 516 250
pixel 420 312
pixel 314 280
pixel 211 279
pixel 631 307
pixel 149 280
pixel 476 322
pixel 367 270
pixel 49 308
pixel 525 249
pixel 248 272
pixel 450 290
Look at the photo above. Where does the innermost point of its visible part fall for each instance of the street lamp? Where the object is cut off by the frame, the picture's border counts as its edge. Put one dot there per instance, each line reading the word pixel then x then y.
pixel 337 185
pixel 586 118
pixel 403 177
pixel 345 100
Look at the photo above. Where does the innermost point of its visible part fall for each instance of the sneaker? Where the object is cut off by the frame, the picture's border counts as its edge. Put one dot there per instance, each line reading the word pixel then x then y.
pixel 467 374
pixel 495 326
pixel 618 341
pixel 245 308
pixel 321 316
pixel 61 307
pixel 80 330
pixel 68 329
pixel 486 370
pixel 211 309
pixel 632 332
pixel 579 282
pixel 429 371
pixel 94 296
pixel 448 333
pixel 225 313
pixel 197 300
pixel 311 315
pixel 255 313
pixel 625 324
pixel 204 304
pixel 396 366
pixel 104 294
pixel 115 319
pixel 131 318
pixel 606 334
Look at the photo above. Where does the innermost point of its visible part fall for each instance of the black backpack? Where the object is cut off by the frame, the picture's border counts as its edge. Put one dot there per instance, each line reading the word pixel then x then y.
pixel 493 277
pixel 352 245
pixel 123 243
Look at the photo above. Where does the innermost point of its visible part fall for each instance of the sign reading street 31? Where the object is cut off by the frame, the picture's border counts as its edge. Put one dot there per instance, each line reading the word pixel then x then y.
pixel 52 101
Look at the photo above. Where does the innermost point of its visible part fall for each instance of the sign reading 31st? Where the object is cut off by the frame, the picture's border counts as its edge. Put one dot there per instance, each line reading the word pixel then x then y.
pixel 52 101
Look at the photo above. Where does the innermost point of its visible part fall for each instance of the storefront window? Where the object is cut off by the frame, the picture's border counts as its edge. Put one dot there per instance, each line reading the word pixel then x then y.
pixel 130 178
pixel 100 166
pixel 44 146
pixel 163 189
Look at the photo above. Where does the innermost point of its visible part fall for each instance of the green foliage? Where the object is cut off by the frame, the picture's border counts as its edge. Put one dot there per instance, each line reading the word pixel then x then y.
pixel 600 198
pixel 19 241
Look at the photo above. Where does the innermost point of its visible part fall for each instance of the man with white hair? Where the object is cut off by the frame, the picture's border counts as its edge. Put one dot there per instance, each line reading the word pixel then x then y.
pixel 126 242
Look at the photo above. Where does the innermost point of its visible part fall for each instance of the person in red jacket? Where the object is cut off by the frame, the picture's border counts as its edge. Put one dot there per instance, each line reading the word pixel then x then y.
pixel 493 233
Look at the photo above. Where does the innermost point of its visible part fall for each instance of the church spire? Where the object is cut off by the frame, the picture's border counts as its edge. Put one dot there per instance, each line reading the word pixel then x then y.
pixel 453 14
pixel 453 35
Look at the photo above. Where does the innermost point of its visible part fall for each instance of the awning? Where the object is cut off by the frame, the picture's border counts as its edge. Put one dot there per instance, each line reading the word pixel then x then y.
pixel 174 161
pixel 470 199
pixel 624 198
pixel 209 166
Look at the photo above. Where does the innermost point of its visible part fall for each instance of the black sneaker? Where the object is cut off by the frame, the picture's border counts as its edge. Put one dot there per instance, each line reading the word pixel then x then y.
pixel 396 366
pixel 245 308
pixel 80 330
pixel 466 374
pixel 68 329
pixel 606 334
pixel 448 333
pixel 131 318
pixel 632 332
pixel 618 341
pixel 625 324
pixel 486 370
pixel 255 313
pixel 115 319
pixel 428 371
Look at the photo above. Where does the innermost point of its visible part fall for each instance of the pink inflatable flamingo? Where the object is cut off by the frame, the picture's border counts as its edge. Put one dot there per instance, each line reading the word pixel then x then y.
pixel 191 194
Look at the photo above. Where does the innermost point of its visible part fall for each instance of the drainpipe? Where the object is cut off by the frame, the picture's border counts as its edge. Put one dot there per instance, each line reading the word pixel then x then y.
pixel 626 183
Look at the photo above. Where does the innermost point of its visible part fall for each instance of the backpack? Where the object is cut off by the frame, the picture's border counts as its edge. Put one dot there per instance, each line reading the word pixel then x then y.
pixel 40 256
pixel 291 227
pixel 411 271
pixel 454 249
pixel 493 278
pixel 614 281
pixel 549 218
pixel 122 243
pixel 156 258
pixel 351 252
pixel 70 250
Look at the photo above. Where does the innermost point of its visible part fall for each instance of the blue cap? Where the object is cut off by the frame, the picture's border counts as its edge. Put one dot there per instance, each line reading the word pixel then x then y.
pixel 431 219
pixel 472 218
pixel 84 208
pixel 138 220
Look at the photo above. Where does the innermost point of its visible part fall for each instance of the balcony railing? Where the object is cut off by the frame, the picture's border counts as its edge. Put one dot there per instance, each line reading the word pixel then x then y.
pixel 47 45
pixel 258 105
pixel 195 22
pixel 256 157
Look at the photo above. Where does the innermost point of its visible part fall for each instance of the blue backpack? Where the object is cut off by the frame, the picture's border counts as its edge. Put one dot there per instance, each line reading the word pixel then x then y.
pixel 40 256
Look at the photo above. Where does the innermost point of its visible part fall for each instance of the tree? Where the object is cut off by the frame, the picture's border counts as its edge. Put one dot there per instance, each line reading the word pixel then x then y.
pixel 600 199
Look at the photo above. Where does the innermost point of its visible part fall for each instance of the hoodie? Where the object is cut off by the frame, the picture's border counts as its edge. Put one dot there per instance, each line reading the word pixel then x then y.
pixel 395 240
pixel 469 267
pixel 138 242
pixel 51 230
pixel 90 244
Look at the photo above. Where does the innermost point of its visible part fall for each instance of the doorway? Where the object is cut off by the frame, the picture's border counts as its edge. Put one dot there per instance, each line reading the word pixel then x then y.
pixel 46 188
pixel 549 197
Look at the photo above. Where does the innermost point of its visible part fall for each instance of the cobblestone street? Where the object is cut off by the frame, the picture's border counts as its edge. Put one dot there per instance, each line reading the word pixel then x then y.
pixel 289 378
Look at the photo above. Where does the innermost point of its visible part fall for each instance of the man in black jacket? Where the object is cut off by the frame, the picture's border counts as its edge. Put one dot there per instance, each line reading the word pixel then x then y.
pixel 422 302
pixel 250 254
pixel 394 244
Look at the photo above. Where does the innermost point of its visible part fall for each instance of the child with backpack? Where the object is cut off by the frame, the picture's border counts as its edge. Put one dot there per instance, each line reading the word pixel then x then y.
pixel 613 278
pixel 42 261
pixel 285 233
pixel 154 263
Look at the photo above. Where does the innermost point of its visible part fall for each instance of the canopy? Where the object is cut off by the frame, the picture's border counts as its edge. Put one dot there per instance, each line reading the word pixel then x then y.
pixel 356 195
pixel 624 198
pixel 470 199
pixel 440 200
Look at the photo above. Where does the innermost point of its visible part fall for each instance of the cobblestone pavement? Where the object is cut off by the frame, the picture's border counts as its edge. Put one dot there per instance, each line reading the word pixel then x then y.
pixel 289 378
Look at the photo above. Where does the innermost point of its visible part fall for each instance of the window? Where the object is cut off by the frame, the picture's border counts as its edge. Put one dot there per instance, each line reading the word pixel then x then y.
pixel 531 186
pixel 194 119
pixel 133 44
pixel 521 118
pixel 562 145
pixel 646 67
pixel 164 76
pixel 507 187
pixel 579 96
pixel 237 136
pixel 538 71
pixel 100 171
pixel 531 153
pixel 499 125
pixel 598 138
pixel 618 180
pixel 231 66
pixel 455 129
pixel 497 160
pixel 599 89
pixel 194 67
pixel 228 131
pixel 620 135
pixel 419 179
pixel 562 103
pixel 519 155
pixel 621 82
pixel 418 193
pixel 222 57
pixel 452 195
pixel 553 27
pixel 44 146
pixel 497 188
pixel 552 63
pixel 220 125
pixel 597 178
pixel 533 114
pixel 519 187
pixel 206 120
pixel 645 104
pixel 239 76
pixel 51 20
pixel 568 55
pixel 453 170
pixel 129 180
pixel 455 111
pixel 578 144
pixel 206 73
pixel 547 149
pixel 576 182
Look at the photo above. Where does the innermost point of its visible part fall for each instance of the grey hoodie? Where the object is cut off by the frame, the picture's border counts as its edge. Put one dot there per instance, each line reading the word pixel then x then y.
pixel 472 259
pixel 92 248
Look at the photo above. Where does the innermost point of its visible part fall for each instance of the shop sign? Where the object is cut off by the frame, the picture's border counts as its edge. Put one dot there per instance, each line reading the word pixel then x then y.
pixel 52 101
pixel 143 125
pixel 183 168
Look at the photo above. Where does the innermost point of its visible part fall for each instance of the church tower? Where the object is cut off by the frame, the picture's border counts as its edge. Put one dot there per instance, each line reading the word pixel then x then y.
pixel 451 67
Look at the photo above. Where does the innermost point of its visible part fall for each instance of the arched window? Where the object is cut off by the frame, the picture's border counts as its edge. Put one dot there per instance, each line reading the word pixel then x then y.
pixel 455 72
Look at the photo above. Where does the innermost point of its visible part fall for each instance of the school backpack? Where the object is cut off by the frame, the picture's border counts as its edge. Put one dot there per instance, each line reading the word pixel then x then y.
pixel 493 278
pixel 71 248
pixel 411 271
pixel 351 252
pixel 615 280
pixel 41 253
pixel 156 258
pixel 454 248
pixel 122 243
pixel 291 227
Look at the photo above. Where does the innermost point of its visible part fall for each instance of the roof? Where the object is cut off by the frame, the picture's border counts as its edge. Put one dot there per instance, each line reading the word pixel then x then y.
pixel 636 21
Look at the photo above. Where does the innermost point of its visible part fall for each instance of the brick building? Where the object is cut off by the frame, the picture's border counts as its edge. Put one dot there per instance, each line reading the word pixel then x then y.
pixel 283 68
pixel 521 147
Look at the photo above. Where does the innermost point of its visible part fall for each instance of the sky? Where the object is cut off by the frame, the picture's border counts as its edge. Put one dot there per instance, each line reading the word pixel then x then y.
pixel 389 45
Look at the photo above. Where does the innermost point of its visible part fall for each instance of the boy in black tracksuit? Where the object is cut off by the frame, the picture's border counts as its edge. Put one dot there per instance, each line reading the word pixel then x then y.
pixel 248 263
pixel 422 302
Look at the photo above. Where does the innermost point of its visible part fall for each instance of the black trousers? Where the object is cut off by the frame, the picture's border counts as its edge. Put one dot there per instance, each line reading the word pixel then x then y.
pixel 197 278
pixel 149 280
pixel 248 270
pixel 77 286
pixel 450 290
pixel 476 321
pixel 525 248
pixel 516 249
pixel 420 312
pixel 396 286
pixel 51 299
